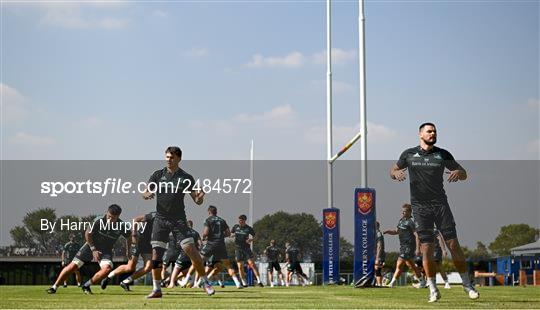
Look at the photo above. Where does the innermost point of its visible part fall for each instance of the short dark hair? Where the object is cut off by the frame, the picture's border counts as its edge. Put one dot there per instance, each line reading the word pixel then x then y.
pixel 242 217
pixel 407 206
pixel 424 125
pixel 212 210
pixel 174 150
pixel 114 209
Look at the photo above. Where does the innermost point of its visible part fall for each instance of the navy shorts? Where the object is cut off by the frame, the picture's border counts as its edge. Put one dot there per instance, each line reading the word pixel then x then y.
pixel 243 254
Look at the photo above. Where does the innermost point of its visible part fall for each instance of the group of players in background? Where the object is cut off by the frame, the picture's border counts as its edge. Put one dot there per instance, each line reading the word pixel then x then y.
pixel 409 251
pixel 426 165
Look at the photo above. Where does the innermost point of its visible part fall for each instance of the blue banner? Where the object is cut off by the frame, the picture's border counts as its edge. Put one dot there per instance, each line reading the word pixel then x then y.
pixel 364 236
pixel 330 246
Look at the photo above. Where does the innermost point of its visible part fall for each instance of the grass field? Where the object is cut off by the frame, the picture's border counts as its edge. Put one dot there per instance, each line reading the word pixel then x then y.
pixel 263 298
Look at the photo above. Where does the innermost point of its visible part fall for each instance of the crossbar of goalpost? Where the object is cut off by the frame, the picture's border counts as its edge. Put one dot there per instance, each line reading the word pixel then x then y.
pixel 345 148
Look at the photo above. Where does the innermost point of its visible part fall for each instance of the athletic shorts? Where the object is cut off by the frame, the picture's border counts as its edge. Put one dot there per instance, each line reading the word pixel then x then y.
pixel 243 254
pixel 170 257
pixel 433 213
pixel 68 259
pixel 406 252
pixel 143 247
pixel 295 267
pixel 183 261
pixel 211 262
pixel 272 266
pixel 84 256
pixel 215 249
pixel 161 229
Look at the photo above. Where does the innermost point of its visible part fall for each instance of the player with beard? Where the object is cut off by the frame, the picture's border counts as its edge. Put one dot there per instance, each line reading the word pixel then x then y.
pixel 427 165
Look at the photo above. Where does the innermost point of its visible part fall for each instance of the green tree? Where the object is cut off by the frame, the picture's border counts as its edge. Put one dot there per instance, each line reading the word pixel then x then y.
pixel 62 235
pixel 346 254
pixel 30 234
pixel 21 237
pixel 301 228
pixel 511 236
pixel 480 252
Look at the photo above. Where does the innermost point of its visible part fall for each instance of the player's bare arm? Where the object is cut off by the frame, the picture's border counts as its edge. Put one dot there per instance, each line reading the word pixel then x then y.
pixel 205 233
pixel 95 253
pixel 147 195
pixel 138 219
pixel 398 174
pixel 418 252
pixel 456 175
pixel 391 232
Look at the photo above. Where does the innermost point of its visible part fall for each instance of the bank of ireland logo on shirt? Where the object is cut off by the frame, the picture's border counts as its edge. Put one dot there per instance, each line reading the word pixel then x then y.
pixel 330 219
pixel 364 202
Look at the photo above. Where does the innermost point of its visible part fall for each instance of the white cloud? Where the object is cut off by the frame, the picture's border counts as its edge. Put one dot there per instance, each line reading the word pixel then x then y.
pixel 279 117
pixel 82 15
pixel 24 138
pixel 339 56
pixel 277 114
pixel 338 87
pixel 297 59
pixel 197 52
pixel 292 60
pixel 342 134
pixel 13 104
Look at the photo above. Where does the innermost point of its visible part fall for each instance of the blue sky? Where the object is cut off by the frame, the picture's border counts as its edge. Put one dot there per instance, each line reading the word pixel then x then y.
pixel 122 80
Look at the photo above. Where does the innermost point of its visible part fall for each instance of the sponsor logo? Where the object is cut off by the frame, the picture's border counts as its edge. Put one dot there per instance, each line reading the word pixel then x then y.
pixel 416 155
pixel 330 219
pixel 437 156
pixel 364 202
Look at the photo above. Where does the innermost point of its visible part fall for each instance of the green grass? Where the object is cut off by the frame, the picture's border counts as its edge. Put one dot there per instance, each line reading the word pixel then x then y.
pixel 263 298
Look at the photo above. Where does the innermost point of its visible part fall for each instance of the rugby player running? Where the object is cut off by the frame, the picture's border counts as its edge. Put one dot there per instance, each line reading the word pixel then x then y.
pixel 169 185
pixel 100 240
